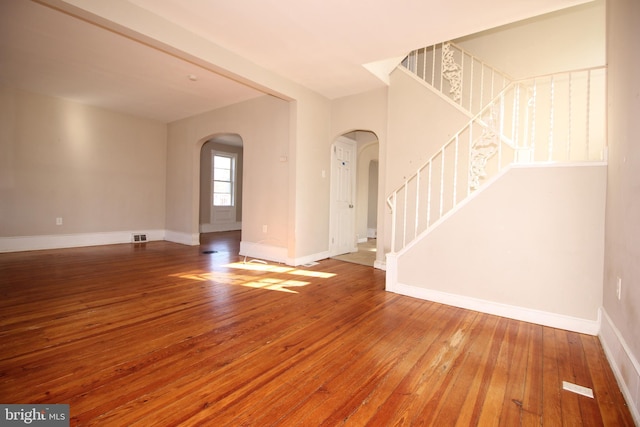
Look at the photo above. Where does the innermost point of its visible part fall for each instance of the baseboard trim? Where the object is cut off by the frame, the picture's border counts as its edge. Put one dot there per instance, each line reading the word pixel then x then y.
pixel 308 258
pixel 59 241
pixel 624 365
pixel 569 323
pixel 380 265
pixel 263 252
pixel 277 254
pixel 188 239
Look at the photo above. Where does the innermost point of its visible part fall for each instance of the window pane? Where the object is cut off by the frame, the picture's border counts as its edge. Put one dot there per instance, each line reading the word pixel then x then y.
pixel 222 162
pixel 222 174
pixel 221 187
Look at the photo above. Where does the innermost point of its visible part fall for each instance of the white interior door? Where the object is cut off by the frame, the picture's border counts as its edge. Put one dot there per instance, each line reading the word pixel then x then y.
pixel 343 191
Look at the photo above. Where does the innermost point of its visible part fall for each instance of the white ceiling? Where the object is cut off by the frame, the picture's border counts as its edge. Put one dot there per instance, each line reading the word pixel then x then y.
pixel 49 52
pixel 321 44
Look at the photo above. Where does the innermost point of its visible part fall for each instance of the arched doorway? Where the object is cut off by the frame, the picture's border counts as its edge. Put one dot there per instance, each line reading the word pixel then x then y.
pixel 221 170
pixel 353 218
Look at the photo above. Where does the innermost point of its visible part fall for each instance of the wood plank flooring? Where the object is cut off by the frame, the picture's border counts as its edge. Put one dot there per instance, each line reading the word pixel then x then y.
pixel 162 334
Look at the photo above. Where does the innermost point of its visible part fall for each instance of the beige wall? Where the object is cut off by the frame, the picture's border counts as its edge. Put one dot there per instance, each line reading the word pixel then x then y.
pixel 533 239
pixel 622 238
pixel 98 170
pixel 310 153
pixel 263 125
pixel 569 39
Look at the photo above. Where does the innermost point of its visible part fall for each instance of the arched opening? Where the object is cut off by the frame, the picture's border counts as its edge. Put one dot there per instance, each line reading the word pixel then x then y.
pixel 221 172
pixel 354 197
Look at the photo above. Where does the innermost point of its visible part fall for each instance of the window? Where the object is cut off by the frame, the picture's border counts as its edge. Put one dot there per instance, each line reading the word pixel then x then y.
pixel 224 177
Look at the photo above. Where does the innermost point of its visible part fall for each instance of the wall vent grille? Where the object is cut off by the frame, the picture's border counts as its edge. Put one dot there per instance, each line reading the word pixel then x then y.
pixel 139 238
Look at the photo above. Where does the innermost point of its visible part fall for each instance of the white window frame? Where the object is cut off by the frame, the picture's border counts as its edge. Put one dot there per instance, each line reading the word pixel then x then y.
pixel 233 177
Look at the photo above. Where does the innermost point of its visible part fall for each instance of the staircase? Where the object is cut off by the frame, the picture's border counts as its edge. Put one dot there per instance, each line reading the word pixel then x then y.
pixel 556 118
pixel 460 78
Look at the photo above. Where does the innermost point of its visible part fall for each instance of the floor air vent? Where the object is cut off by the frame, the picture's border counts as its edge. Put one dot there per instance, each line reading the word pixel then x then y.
pixel 139 238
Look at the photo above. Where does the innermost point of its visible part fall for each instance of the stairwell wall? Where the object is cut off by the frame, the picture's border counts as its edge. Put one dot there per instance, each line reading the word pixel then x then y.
pixel 528 246
pixel 419 123
pixel 620 323
pixel 569 39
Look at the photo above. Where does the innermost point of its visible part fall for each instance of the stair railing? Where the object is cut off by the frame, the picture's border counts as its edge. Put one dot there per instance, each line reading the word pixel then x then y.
pixel 465 80
pixel 553 118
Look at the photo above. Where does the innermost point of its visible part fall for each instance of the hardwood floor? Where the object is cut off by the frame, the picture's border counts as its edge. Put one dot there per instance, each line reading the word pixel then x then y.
pixel 163 334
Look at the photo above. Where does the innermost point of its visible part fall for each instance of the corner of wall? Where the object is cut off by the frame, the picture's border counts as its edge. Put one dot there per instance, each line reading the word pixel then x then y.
pixel 261 251
pixel 624 364
pixel 391 277
pixel 182 238
pixel 308 258
pixel 380 265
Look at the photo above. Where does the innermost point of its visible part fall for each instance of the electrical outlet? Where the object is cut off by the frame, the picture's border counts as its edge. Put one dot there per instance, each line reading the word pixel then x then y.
pixel 264 228
pixel 619 288
pixel 59 221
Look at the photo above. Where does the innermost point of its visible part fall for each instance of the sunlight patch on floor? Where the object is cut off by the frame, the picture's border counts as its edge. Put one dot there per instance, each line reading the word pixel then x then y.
pixel 310 273
pixel 279 269
pixel 268 283
pixel 247 280
pixel 276 285
pixel 259 267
